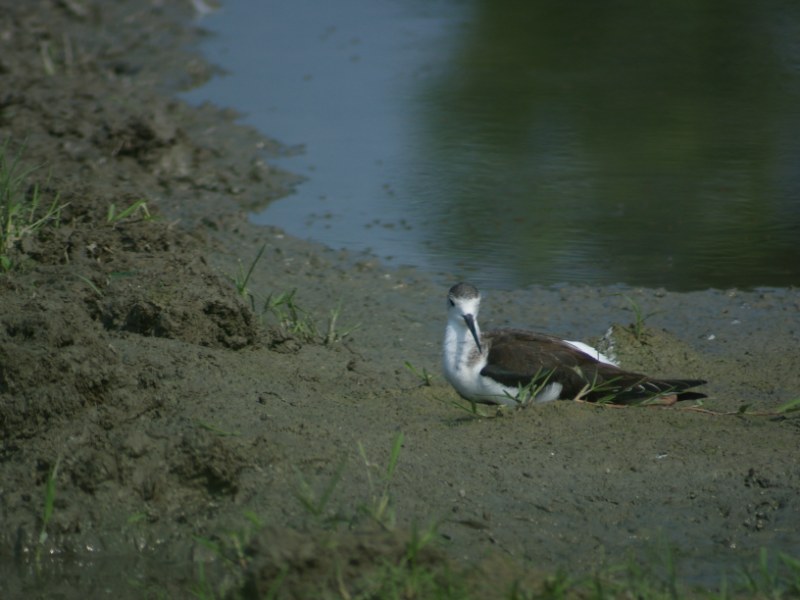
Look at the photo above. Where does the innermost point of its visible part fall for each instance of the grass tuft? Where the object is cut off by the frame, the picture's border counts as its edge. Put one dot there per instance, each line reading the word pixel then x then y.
pixel 113 217
pixel 47 511
pixel 230 549
pixel 424 377
pixel 282 308
pixel 22 208
pixel 639 318
pixel 91 285
pixel 526 394
pixel 332 336
pixel 316 503
pixel 291 319
pixel 379 506
pixel 242 278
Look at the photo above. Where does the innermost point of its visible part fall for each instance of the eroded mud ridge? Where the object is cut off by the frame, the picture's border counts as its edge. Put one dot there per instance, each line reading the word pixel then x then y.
pixel 169 428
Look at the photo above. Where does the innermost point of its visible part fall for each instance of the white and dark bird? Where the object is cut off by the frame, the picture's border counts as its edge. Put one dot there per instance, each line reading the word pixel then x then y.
pixel 503 365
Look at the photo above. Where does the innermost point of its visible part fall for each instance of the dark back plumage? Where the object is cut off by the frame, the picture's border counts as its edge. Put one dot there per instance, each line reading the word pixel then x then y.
pixel 516 357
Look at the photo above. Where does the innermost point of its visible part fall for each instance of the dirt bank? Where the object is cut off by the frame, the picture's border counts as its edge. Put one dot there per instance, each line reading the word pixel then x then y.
pixel 198 438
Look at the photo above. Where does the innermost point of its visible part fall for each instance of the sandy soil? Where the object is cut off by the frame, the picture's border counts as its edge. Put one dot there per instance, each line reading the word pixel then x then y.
pixel 207 444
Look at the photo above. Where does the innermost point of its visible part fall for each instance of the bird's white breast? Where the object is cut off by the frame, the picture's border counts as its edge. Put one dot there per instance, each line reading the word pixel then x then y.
pixel 463 365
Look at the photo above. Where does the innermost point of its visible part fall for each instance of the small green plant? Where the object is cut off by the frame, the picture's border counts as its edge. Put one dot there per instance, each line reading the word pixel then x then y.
pixel 91 285
pixel 480 410
pixel 332 336
pixel 291 319
pixel 790 579
pixel 471 407
pixel 294 321
pixel 242 278
pixel 408 577
pixel 47 511
pixel 136 518
pixel 47 59
pixel 203 588
pixel 316 503
pixel 424 377
pixel 791 406
pixel 379 508
pixel 526 394
pixel 113 217
pixel 216 430
pixel 22 211
pixel 230 549
pixel 772 579
pixel 637 327
pixel 763 580
pixel 419 539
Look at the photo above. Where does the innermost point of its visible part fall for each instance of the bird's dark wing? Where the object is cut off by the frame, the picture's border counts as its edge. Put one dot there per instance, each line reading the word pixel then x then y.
pixel 649 388
pixel 517 357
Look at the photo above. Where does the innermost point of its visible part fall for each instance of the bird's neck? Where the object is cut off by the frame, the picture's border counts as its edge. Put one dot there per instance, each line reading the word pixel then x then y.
pixel 459 345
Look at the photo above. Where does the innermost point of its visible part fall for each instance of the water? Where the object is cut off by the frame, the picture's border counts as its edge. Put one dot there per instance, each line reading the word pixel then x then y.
pixel 531 142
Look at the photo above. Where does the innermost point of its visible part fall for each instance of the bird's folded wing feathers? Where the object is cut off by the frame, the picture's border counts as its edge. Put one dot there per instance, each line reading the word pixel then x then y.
pixel 517 357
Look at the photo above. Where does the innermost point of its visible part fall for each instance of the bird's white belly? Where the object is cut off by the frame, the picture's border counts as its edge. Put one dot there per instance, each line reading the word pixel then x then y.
pixel 468 381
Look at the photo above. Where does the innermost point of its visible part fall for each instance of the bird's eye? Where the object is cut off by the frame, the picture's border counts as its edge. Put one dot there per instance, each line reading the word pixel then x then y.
pixel 450 300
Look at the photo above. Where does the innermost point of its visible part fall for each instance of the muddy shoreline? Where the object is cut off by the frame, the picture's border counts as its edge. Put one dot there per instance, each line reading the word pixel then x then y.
pixel 204 439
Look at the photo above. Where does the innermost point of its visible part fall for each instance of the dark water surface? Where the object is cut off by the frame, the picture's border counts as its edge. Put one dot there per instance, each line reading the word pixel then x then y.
pixel 531 142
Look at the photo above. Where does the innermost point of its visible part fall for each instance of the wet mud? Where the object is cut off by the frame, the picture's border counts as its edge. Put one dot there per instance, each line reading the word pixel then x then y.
pixel 193 436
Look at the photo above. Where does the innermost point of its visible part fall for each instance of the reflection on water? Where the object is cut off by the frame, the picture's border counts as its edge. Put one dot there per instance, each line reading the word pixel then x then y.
pixel 519 142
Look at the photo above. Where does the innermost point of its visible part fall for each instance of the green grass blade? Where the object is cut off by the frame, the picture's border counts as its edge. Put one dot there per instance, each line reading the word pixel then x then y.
pixel 791 406
pixel 49 502
pixel 395 455
pixel 114 217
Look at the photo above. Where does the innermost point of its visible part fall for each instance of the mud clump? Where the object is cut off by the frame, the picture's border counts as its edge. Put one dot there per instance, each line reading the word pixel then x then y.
pixel 54 360
pixel 80 287
pixel 207 462
pixel 156 302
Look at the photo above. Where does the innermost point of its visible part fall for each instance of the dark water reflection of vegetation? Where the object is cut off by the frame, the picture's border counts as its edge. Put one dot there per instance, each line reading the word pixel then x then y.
pixel 651 143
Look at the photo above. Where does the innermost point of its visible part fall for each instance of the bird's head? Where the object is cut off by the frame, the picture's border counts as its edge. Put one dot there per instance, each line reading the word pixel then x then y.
pixel 463 303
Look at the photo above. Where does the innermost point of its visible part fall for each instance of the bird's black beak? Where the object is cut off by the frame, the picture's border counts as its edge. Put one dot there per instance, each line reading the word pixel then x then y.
pixel 470 320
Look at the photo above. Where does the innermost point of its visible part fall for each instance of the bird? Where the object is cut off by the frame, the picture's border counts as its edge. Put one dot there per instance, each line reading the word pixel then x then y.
pixel 516 367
